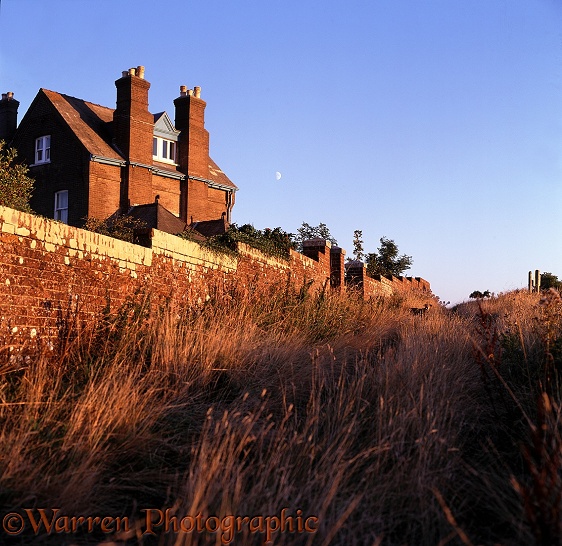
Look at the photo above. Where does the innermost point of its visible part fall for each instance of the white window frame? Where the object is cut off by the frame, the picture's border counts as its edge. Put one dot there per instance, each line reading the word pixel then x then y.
pixel 43 149
pixel 61 206
pixel 170 147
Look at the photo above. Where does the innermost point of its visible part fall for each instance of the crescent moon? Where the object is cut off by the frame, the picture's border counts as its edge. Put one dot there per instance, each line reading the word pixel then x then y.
pixel 277 175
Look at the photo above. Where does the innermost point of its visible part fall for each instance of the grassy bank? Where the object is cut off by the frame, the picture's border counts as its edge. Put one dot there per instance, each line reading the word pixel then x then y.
pixel 388 428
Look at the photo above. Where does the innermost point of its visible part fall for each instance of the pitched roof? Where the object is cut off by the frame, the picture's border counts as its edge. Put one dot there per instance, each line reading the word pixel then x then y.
pixel 216 175
pixel 168 167
pixel 92 123
pixel 156 216
pixel 208 228
pixel 88 121
pixel 164 127
pixel 194 235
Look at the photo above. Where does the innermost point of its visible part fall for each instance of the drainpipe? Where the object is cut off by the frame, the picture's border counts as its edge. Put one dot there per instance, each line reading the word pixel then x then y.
pixel 227 214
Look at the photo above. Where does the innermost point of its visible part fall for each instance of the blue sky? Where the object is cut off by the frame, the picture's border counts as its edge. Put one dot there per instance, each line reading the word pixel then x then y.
pixel 436 123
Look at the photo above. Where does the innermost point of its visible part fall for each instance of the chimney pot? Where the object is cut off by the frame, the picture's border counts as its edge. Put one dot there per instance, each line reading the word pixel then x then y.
pixel 193 151
pixel 183 90
pixel 140 71
pixel 125 73
pixel 8 116
pixel 133 127
pixel 197 92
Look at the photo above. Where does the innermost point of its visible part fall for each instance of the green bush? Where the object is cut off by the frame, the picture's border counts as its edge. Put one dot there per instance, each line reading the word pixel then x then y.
pixel 15 185
pixel 273 242
pixel 118 227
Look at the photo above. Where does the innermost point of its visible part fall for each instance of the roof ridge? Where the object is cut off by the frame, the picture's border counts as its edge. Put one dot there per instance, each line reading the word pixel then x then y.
pixel 77 98
pixel 87 121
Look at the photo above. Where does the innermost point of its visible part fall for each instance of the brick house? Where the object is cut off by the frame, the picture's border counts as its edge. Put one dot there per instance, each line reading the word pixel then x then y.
pixel 91 160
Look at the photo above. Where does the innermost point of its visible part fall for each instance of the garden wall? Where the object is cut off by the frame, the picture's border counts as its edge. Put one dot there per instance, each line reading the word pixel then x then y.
pixel 49 270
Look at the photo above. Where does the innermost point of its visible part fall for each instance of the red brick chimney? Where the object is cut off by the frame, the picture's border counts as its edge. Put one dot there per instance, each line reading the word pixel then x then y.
pixel 133 127
pixel 193 153
pixel 8 116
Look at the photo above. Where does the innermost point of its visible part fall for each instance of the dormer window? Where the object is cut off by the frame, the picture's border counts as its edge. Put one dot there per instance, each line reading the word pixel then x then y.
pixel 165 141
pixel 43 149
pixel 164 150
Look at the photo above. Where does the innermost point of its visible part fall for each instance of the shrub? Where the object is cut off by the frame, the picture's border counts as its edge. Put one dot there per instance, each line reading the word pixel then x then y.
pixel 15 186
pixel 274 242
pixel 118 226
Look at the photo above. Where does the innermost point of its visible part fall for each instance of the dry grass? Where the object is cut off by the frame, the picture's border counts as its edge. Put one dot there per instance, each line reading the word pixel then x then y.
pixel 388 428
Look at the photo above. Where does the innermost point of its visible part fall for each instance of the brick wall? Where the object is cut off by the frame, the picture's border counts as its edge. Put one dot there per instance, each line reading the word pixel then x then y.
pixel 169 191
pixel 193 152
pixel 216 203
pixel 204 203
pixel 69 165
pixel 133 127
pixel 47 268
pixel 104 190
pixel 357 278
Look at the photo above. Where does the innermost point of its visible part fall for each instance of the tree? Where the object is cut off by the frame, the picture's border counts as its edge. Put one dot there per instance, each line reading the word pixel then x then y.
pixel 548 280
pixel 358 251
pixel 118 226
pixel 15 185
pixel 386 260
pixel 274 242
pixel 306 231
pixel 477 295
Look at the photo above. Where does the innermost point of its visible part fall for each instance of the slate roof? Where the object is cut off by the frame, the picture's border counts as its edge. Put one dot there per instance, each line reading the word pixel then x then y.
pixel 156 216
pixel 92 124
pixel 208 228
pixel 218 176
pixel 194 234
pixel 166 167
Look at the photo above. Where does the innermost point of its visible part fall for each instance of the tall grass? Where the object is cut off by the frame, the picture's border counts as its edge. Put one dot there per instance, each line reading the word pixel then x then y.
pixel 387 427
